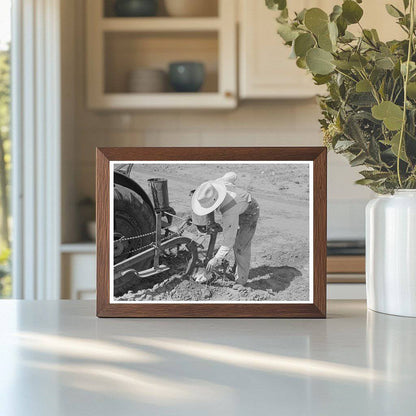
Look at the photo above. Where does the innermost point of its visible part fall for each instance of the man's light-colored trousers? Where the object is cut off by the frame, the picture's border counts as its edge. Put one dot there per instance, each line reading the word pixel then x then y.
pixel 242 246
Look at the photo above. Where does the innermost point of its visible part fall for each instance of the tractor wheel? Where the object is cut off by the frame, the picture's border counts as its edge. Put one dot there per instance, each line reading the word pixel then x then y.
pixel 132 217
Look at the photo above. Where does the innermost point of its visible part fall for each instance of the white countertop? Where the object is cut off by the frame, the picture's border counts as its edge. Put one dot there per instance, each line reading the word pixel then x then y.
pixel 57 359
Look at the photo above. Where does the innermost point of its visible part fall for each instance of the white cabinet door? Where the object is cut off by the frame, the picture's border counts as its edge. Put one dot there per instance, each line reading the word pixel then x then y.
pixel 78 276
pixel 265 68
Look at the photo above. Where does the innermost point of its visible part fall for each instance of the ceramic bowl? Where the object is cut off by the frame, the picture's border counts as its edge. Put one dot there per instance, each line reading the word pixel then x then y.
pixel 147 80
pixel 135 8
pixel 186 76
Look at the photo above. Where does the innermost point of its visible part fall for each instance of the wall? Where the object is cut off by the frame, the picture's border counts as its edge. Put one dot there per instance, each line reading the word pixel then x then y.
pixel 265 123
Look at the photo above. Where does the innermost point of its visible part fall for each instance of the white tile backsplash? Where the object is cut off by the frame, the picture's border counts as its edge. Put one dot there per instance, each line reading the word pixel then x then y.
pixel 259 123
pixel 346 219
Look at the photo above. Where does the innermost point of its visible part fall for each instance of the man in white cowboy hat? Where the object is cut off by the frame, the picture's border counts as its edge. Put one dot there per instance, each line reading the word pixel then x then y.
pixel 240 213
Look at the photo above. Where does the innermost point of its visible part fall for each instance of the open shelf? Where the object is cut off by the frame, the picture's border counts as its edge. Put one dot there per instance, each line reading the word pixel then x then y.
pixel 127 51
pixel 160 24
pixel 130 101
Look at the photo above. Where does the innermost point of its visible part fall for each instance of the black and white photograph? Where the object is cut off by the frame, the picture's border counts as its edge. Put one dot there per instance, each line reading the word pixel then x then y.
pixel 211 231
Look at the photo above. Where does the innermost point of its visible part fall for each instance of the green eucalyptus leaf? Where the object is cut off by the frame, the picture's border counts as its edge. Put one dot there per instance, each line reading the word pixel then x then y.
pixel 394 145
pixel 358 160
pixel 319 61
pixel 336 12
pixel 343 65
pixel 303 43
pixel 282 18
pixel 276 4
pixel 411 90
pixel 393 11
pixel 361 99
pixel 391 114
pixel 358 61
pixel 334 91
pixel 412 67
pixel 363 86
pixel 301 63
pixel 347 37
pixel 374 150
pixel 375 35
pixel 351 11
pixel 321 79
pixel 316 20
pixel 325 42
pixel 377 75
pixel 300 17
pixel 342 25
pixel 396 71
pixel 386 62
pixel 374 174
pixel 405 21
pixel 286 32
pixel 371 36
pixel 333 32
pixel 368 35
pixel 354 128
pixel 343 145
pixel 365 182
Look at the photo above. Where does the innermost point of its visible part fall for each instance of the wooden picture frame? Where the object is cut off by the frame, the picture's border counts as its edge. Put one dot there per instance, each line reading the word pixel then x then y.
pixel 315 308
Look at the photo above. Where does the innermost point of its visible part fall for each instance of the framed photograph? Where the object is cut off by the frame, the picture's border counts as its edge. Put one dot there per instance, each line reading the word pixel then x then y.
pixel 211 232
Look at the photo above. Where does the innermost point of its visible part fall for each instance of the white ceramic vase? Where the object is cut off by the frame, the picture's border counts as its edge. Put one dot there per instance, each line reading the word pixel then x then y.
pixel 391 253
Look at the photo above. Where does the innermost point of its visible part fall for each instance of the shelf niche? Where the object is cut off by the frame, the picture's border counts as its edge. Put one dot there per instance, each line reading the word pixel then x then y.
pixel 127 51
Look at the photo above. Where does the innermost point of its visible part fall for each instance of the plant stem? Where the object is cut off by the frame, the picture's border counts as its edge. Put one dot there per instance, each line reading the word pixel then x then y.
pixel 406 80
pixel 373 89
pixel 345 75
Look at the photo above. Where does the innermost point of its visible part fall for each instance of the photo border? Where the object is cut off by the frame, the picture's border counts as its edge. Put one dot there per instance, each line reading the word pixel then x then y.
pixel 197 162
pixel 314 308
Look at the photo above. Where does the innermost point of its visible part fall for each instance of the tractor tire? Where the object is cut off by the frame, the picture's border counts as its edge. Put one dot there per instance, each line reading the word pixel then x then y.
pixel 132 217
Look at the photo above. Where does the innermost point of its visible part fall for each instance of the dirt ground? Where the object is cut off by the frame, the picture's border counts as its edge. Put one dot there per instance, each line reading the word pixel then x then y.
pixel 280 247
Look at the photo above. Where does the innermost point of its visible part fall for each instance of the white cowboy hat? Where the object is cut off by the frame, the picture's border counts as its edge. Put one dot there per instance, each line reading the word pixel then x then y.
pixel 208 197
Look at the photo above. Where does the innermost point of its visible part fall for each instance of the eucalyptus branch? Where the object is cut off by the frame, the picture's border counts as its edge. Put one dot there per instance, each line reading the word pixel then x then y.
pixel 373 89
pixel 392 90
pixel 405 81
pixel 345 75
pixel 369 41
pixel 398 95
pixel 378 121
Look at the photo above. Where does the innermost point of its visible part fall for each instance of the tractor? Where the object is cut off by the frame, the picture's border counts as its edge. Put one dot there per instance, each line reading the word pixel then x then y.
pixel 146 244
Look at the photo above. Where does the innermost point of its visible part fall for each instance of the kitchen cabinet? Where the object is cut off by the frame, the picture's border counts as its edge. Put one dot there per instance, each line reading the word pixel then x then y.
pixel 78 271
pixel 265 70
pixel 116 46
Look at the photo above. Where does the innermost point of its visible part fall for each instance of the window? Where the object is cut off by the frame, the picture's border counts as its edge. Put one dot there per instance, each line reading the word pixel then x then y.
pixel 5 159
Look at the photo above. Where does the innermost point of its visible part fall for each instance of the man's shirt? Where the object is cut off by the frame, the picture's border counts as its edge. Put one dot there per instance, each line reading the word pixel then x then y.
pixel 235 203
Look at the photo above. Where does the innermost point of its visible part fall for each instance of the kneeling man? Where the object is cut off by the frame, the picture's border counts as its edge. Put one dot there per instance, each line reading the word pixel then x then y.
pixel 240 213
